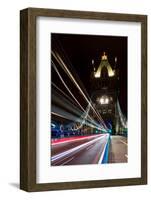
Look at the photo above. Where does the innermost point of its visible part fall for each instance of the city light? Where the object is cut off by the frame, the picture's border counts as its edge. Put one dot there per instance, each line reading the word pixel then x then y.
pixel 104 100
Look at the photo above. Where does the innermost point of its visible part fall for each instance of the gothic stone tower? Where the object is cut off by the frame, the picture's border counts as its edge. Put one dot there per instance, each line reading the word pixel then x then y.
pixel 104 91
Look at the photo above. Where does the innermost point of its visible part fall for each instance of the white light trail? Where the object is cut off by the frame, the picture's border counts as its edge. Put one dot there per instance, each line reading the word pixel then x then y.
pixel 66 85
pixel 62 92
pixel 98 127
pixel 76 139
pixel 75 149
pixel 92 121
pixel 60 61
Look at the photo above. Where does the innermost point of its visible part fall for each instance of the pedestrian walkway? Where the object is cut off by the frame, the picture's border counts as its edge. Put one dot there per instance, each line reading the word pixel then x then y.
pixel 118 150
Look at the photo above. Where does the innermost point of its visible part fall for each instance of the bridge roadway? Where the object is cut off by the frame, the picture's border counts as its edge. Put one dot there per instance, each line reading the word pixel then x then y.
pixel 79 150
pixel 87 150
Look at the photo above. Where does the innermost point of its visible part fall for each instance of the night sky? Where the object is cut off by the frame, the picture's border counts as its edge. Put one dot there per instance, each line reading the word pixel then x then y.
pixel 81 49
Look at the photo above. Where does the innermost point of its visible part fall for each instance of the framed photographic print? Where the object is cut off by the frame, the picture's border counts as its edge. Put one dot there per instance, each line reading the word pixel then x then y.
pixel 83 99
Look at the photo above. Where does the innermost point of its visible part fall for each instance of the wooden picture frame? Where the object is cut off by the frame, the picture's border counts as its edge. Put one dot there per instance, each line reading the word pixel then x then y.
pixel 28 98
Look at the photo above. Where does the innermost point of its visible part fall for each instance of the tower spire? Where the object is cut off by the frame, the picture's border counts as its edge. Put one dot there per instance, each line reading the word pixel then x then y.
pixel 104 57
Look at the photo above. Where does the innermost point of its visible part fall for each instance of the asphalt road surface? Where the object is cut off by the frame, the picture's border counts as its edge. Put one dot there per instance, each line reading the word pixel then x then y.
pixel 82 150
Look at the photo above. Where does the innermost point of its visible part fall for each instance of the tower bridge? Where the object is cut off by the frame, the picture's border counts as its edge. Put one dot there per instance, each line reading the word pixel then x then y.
pixel 85 127
pixel 104 94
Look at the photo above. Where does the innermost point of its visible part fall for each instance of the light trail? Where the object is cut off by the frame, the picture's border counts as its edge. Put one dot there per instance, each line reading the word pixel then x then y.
pixel 62 92
pixel 67 161
pixel 73 102
pixel 60 61
pixel 60 102
pixel 66 85
pixel 77 85
pixel 73 79
pixel 66 115
pixel 59 115
pixel 75 98
pixel 72 118
pixel 57 163
pixel 74 150
pixel 89 147
pixel 68 140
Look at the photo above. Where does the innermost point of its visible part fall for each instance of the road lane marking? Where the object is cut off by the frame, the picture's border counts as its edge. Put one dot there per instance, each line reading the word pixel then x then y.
pixel 75 149
pixel 123 142
pixel 67 161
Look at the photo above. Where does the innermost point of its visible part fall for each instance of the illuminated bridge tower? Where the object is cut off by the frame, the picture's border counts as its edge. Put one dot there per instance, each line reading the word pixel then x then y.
pixel 104 91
